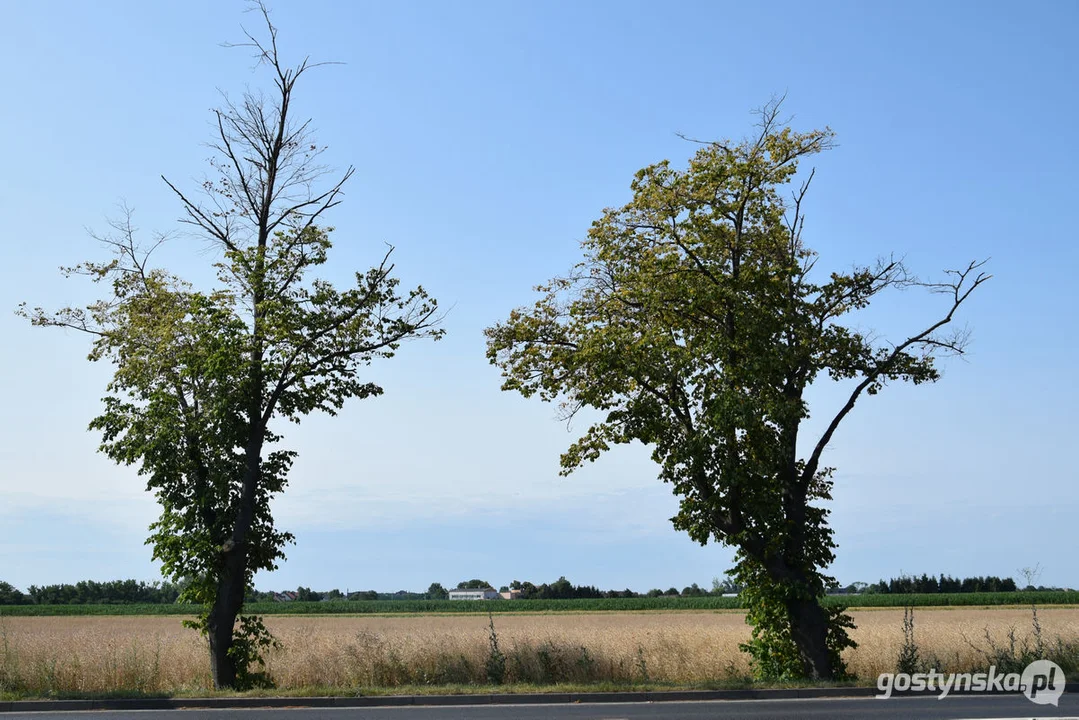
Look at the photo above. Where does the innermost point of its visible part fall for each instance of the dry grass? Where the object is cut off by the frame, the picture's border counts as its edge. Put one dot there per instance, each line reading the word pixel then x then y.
pixel 43 655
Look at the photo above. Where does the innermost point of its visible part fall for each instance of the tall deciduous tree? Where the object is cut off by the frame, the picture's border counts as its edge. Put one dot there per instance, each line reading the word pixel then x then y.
pixel 202 377
pixel 695 325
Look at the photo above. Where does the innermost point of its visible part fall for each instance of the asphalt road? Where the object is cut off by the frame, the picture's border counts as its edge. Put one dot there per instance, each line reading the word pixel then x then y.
pixel 952 708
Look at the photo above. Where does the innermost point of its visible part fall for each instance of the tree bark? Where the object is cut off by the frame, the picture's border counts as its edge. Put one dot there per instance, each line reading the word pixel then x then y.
pixel 809 621
pixel 222 620
pixel 232 582
pixel 809 630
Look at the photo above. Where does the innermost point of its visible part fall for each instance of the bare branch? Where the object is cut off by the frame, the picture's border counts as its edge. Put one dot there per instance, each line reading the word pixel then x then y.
pixel 960 289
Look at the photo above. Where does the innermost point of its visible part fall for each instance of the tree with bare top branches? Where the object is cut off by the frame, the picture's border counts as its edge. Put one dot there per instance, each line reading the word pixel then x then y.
pixel 202 378
pixel 694 325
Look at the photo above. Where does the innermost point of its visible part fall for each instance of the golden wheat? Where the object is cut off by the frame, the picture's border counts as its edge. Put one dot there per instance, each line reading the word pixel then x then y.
pixel 157 655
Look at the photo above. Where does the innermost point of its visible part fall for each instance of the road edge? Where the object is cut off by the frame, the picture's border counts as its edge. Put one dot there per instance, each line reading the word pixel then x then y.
pixel 449 700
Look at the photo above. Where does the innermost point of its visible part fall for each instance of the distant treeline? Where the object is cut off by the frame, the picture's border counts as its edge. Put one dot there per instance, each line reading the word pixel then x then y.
pixel 562 589
pixel 907 584
pixel 132 592
pixel 90 592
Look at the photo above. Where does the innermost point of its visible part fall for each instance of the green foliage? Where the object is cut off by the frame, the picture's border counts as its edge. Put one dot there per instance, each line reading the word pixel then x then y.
pixel 560 589
pixel 907 584
pixel 769 605
pixel 114 591
pixel 694 325
pixel 1022 597
pixel 250 641
pixel 364 595
pixel 437 592
pixel 727 585
pixel 11 595
pixel 305 594
pixel 475 584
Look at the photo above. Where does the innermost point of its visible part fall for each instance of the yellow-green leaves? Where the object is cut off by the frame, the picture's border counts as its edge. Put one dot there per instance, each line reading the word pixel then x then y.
pixel 694 325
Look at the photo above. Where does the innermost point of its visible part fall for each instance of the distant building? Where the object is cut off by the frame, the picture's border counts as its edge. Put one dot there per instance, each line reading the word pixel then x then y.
pixel 488 593
pixel 511 595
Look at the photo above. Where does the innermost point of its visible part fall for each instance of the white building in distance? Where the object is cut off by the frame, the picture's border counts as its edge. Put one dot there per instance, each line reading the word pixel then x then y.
pixel 487 593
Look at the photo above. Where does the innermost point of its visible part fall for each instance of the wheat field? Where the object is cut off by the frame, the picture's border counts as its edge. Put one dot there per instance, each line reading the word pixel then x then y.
pixel 45 655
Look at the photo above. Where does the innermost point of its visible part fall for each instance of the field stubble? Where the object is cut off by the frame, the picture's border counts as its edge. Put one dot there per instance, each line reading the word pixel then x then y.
pixel 155 655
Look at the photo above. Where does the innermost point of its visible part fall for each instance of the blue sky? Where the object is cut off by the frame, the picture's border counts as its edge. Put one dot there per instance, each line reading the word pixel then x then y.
pixel 486 137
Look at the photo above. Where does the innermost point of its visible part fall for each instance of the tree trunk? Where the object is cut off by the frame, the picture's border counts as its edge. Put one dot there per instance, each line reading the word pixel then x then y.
pixel 222 619
pixel 807 617
pixel 222 669
pixel 232 582
pixel 809 630
pixel 809 621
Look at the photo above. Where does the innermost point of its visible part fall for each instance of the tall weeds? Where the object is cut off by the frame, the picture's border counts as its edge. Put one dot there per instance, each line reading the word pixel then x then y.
pixel 1018 651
